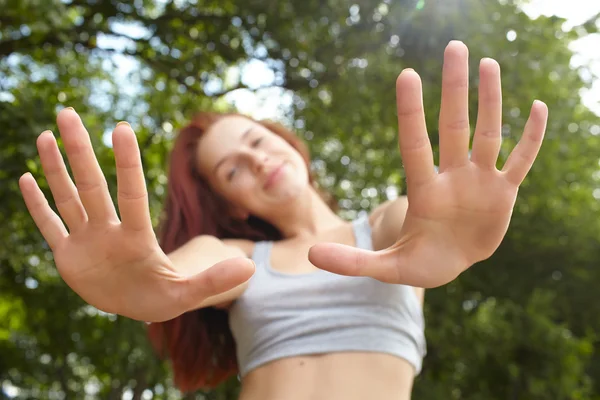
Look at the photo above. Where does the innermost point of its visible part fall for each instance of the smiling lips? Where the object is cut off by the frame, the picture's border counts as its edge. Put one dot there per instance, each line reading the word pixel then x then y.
pixel 273 176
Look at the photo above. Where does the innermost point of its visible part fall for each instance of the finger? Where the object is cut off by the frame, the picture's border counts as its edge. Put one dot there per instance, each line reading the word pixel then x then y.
pixel 132 193
pixel 488 138
pixel 351 261
pixel 415 146
pixel 523 155
pixel 63 190
pixel 89 179
pixel 47 221
pixel 454 111
pixel 219 278
pixel 393 265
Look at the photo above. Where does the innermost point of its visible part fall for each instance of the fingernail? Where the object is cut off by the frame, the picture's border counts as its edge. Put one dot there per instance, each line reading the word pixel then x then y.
pixel 124 123
pixel 70 108
pixel 408 70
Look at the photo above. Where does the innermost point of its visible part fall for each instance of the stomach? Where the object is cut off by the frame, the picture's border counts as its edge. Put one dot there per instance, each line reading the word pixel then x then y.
pixel 332 376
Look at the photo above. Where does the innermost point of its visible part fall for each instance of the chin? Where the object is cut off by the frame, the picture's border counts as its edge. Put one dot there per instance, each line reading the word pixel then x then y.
pixel 288 194
pixel 289 191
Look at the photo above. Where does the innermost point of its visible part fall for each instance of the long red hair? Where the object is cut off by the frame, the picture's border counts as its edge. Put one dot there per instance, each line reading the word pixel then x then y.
pixel 199 343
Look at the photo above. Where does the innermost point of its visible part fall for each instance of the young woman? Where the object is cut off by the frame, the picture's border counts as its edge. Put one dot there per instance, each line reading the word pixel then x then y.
pixel 255 273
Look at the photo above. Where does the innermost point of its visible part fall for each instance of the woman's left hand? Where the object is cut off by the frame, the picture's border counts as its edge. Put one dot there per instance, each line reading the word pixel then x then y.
pixel 459 216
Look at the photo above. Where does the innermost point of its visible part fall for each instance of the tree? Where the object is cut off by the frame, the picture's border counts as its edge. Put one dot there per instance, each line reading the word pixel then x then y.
pixel 520 325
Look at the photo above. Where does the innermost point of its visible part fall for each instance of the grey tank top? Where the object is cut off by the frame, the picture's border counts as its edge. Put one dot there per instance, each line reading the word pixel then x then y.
pixel 284 315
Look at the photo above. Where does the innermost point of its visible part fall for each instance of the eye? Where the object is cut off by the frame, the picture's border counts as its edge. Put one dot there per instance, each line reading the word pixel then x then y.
pixel 256 142
pixel 231 173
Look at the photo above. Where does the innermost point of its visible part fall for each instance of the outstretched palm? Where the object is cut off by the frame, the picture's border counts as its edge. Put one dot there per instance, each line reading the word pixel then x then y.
pixel 460 215
pixel 114 264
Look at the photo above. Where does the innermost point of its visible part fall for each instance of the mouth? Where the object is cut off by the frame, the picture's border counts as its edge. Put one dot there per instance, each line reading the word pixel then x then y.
pixel 274 176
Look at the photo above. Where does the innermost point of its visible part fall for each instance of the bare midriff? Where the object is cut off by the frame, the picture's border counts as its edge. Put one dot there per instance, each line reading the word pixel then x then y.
pixel 333 376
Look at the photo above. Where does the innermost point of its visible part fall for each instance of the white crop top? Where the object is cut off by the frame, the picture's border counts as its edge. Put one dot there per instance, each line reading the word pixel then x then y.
pixel 284 315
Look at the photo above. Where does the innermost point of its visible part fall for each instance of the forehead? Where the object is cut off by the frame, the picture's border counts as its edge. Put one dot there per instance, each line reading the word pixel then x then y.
pixel 221 139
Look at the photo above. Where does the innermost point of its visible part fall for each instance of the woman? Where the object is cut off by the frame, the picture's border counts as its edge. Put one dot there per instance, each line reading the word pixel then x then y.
pixel 312 323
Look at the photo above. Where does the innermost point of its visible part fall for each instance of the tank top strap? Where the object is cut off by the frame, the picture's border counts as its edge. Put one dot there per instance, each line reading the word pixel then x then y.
pixel 262 253
pixel 362 232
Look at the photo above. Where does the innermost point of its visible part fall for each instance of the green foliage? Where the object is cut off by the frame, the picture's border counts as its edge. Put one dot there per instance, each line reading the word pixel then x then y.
pixel 523 324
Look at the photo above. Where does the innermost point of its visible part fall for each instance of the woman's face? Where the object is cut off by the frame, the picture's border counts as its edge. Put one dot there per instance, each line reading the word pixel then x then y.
pixel 250 166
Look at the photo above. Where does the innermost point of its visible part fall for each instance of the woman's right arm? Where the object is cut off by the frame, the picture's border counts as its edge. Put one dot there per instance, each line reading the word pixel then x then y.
pixel 113 261
pixel 202 252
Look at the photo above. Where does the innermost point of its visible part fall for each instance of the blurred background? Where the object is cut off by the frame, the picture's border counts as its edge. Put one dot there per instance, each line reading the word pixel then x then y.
pixel 522 325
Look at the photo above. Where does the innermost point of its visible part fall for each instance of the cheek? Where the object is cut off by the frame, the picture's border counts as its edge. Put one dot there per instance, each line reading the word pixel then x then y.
pixel 237 188
pixel 301 166
pixel 288 152
pixel 279 146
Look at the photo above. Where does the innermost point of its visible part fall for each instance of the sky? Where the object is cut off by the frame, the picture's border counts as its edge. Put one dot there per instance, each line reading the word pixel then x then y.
pixel 587 50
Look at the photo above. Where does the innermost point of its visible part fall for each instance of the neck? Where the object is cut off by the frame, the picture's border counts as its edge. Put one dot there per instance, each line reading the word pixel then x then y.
pixel 306 216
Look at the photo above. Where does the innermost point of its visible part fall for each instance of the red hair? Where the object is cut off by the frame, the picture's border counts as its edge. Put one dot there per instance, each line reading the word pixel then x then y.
pixel 199 343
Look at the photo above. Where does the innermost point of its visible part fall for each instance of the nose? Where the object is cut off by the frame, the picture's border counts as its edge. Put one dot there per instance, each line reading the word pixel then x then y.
pixel 259 159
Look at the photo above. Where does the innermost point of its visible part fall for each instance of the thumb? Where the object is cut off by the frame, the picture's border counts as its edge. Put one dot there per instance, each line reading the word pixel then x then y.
pixel 219 278
pixel 351 261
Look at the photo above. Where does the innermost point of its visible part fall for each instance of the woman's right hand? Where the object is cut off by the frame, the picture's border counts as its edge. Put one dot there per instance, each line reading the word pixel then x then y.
pixel 115 264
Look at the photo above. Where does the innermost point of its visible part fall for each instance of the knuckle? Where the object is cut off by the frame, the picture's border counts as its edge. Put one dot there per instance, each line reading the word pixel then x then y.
pixel 127 165
pixel 410 111
pixel 131 195
pixel 415 143
pixel 460 124
pixel 76 147
pixel 457 83
pixel 86 187
pixel 489 133
pixel 63 200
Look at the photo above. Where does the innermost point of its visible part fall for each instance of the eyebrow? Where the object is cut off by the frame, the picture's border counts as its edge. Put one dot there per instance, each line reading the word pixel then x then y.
pixel 244 135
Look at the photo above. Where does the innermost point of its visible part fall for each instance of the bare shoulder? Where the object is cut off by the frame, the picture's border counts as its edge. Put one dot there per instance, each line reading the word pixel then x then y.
pixel 398 205
pixel 387 220
pixel 247 246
